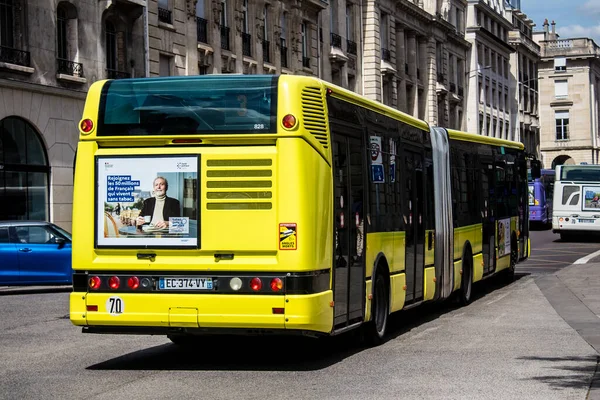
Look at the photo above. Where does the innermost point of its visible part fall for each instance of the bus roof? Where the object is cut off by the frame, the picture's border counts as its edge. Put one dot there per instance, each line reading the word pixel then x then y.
pixel 472 137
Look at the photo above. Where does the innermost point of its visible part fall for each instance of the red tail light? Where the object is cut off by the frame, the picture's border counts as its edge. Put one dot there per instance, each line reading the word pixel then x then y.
pixel 94 282
pixel 256 284
pixel 114 282
pixel 86 125
pixel 289 121
pixel 276 284
pixel 133 282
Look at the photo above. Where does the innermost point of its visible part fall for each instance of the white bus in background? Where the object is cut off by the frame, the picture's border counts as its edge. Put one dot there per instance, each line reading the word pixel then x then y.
pixel 576 200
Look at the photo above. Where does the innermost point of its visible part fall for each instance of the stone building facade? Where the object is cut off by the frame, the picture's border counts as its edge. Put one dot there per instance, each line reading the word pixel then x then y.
pixel 433 59
pixel 569 79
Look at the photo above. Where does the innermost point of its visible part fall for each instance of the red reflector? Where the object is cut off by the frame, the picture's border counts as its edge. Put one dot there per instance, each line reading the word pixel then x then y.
pixel 114 282
pixel 92 308
pixel 175 141
pixel 276 284
pixel 278 310
pixel 133 282
pixel 289 121
pixel 86 125
pixel 256 284
pixel 94 282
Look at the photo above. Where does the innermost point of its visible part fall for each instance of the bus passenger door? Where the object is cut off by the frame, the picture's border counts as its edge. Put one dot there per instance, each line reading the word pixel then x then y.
pixel 487 215
pixel 414 206
pixel 350 234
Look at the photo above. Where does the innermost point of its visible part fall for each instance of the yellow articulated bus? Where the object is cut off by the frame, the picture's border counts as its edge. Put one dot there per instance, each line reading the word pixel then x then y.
pixel 279 204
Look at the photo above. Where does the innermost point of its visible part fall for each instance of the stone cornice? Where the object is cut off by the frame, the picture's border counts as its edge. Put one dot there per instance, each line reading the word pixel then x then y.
pixel 44 89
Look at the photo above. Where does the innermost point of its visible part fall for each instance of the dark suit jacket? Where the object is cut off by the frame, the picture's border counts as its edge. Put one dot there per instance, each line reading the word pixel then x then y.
pixel 171 208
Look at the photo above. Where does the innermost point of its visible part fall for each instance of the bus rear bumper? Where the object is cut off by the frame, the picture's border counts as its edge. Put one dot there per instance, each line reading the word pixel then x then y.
pixel 152 313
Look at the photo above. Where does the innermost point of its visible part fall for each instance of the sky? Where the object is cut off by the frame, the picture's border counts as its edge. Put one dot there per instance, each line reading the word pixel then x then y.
pixel 574 18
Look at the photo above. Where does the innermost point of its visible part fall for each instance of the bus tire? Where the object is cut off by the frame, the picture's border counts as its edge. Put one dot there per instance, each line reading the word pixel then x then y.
pixel 380 310
pixel 466 281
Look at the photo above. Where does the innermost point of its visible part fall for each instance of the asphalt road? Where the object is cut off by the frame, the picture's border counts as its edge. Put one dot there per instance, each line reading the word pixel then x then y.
pixel 508 343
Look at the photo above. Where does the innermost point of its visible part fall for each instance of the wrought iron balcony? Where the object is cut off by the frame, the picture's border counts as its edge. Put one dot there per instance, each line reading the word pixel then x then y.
pixel 14 56
pixel 336 40
pixel 201 30
pixel 165 15
pixel 351 47
pixel 386 55
pixel 266 45
pixel 69 67
pixel 225 37
pixel 284 54
pixel 116 74
pixel 246 44
pixel 306 62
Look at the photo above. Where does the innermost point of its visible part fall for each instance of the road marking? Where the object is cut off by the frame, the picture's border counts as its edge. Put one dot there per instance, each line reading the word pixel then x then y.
pixel 587 258
pixel 497 299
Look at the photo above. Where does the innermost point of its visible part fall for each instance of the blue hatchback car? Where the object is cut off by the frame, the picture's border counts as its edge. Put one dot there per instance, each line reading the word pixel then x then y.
pixel 34 253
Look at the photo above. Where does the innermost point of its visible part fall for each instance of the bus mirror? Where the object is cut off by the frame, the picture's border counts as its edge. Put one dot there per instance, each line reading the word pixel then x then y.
pixel 536 169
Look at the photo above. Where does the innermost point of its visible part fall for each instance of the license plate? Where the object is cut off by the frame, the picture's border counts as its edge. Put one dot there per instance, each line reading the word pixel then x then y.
pixel 185 283
pixel 586 221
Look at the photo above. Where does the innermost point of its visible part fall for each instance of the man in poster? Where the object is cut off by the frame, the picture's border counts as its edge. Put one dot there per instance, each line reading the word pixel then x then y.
pixel 160 207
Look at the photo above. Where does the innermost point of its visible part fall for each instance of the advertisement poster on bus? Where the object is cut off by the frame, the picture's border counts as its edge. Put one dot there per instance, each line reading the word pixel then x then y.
pixel 531 195
pixel 591 197
pixel 147 201
pixel 503 237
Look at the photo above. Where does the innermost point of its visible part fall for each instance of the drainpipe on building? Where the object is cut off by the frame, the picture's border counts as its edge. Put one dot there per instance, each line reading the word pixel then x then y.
pixel 146 43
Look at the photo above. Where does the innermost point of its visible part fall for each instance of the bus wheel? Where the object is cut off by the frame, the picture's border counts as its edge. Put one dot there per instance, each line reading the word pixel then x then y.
pixel 380 309
pixel 466 283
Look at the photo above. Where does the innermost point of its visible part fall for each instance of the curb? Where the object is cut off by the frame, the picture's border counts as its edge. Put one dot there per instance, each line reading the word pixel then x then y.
pixel 16 290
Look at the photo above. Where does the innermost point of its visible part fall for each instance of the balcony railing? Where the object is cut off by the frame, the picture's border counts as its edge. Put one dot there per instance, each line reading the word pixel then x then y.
pixel 351 47
pixel 116 74
pixel 385 55
pixel 69 67
pixel 201 30
pixel 336 40
pixel 306 62
pixel 266 45
pixel 14 56
pixel 284 54
pixel 246 44
pixel 225 37
pixel 165 15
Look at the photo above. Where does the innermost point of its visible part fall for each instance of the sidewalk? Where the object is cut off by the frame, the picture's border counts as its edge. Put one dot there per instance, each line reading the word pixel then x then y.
pixel 574 292
pixel 15 290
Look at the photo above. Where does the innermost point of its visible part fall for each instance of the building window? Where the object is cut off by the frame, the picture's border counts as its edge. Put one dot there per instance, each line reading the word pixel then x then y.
pixel 7 20
pixel 384 34
pixel 24 179
pixel 201 23
pixel 246 37
pixel 164 64
pixel 560 64
pixel 561 89
pixel 283 41
pixel 562 125
pixel 115 51
pixel 164 13
pixel 67 40
pixel 266 44
pixel 305 53
pixel 224 27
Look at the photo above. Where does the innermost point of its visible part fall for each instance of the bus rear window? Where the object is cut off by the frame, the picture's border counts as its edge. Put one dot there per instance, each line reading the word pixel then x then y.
pixel 185 106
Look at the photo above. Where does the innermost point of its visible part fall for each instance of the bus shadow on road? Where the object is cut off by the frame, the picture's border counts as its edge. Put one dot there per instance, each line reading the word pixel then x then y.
pixel 577 372
pixel 281 353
